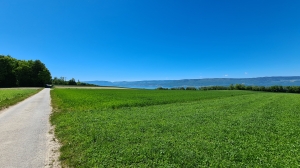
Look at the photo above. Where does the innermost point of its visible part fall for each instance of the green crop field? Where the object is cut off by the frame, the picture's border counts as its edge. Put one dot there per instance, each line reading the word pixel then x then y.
pixel 12 96
pixel 150 128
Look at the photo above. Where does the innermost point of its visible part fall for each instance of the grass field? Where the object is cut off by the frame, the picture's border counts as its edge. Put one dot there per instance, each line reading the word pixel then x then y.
pixel 150 128
pixel 9 97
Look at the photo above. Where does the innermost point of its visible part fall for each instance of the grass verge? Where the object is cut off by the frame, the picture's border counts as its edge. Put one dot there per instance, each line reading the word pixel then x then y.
pixel 10 97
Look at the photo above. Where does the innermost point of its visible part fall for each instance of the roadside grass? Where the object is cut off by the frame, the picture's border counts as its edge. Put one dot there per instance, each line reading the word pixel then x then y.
pixel 234 129
pixel 10 97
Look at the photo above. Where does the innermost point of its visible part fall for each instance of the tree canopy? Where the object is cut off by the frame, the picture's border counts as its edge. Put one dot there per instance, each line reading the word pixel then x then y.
pixel 22 73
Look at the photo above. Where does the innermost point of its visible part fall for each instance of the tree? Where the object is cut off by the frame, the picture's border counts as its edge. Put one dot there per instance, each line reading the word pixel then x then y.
pixel 23 74
pixel 44 77
pixel 7 71
pixel 72 82
pixel 15 72
pixel 231 87
pixel 239 87
pixel 40 74
pixel 191 88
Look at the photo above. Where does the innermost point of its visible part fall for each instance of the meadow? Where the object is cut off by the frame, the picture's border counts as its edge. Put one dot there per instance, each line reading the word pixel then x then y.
pixel 9 97
pixel 164 128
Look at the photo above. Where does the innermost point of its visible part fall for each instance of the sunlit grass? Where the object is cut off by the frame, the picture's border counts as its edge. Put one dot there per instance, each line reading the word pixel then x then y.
pixel 90 99
pixel 12 96
pixel 178 129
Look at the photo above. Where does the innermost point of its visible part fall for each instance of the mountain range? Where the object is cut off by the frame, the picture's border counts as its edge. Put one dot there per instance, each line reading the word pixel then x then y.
pixel 152 84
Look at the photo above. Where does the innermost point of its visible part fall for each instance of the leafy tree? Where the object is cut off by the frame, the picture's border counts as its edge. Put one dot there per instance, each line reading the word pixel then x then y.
pixel 44 77
pixel 239 87
pixel 7 71
pixel 191 88
pixel 248 87
pixel 72 82
pixel 15 72
pixel 40 74
pixel 231 87
pixel 161 88
pixel 59 81
pixel 262 88
pixel 23 73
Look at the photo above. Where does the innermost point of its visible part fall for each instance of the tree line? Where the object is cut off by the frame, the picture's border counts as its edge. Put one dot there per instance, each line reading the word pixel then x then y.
pixel 63 81
pixel 23 73
pixel 276 88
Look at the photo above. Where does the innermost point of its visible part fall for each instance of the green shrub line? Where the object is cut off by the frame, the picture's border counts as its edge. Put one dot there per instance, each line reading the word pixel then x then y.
pixel 71 82
pixel 157 128
pixel 275 88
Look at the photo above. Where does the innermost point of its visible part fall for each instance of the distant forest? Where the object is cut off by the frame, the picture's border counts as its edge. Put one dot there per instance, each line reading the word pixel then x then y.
pixel 29 73
pixel 23 73
pixel 275 88
pixel 62 81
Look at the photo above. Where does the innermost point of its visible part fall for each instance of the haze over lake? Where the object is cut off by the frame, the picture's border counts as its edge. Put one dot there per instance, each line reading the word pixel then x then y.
pixel 153 84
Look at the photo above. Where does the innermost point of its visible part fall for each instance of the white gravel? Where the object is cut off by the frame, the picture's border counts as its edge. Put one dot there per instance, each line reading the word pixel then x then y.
pixel 24 132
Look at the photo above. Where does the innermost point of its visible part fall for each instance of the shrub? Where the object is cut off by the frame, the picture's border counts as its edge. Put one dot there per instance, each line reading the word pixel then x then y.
pixel 191 88
pixel 161 88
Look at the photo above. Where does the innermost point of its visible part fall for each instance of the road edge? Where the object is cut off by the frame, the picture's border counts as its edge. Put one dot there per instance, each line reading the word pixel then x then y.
pixel 53 145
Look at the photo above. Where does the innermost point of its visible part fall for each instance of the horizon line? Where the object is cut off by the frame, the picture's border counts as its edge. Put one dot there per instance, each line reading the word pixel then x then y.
pixel 187 79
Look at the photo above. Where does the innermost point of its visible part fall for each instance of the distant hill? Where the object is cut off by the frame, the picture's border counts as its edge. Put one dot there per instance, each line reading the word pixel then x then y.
pixel 152 84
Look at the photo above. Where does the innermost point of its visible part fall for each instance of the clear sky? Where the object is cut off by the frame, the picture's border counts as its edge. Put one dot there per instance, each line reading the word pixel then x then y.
pixel 131 40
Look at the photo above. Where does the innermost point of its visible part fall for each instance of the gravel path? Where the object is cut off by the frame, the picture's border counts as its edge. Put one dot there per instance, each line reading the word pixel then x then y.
pixel 24 132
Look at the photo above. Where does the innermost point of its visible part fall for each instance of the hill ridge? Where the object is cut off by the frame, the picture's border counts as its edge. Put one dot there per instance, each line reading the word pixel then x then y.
pixel 151 84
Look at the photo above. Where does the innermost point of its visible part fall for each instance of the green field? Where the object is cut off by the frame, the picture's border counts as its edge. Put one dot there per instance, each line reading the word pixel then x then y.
pixel 9 97
pixel 150 128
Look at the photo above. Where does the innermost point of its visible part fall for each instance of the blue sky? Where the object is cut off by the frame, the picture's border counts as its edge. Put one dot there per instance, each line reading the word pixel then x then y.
pixel 131 40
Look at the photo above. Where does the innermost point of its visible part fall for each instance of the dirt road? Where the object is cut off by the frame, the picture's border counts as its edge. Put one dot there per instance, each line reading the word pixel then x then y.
pixel 24 132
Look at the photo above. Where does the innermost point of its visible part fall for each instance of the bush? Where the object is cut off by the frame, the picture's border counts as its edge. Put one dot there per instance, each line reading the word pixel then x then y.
pixel 191 88
pixel 161 88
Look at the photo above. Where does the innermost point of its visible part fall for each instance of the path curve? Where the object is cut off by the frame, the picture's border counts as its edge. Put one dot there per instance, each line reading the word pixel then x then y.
pixel 24 132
